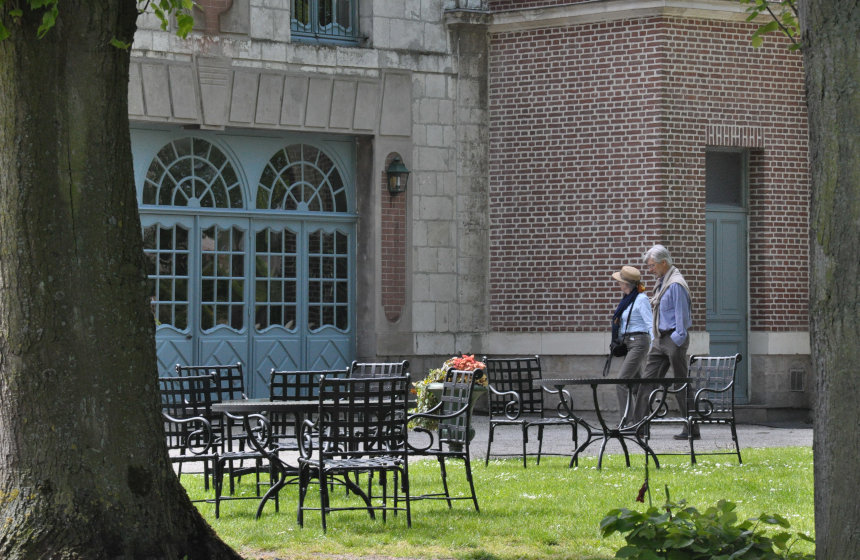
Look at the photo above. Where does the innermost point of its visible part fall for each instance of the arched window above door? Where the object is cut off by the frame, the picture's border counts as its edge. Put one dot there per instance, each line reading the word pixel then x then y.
pixel 302 177
pixel 193 173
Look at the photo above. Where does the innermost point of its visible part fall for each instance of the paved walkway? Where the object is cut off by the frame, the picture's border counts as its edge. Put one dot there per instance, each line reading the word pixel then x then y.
pixel 508 441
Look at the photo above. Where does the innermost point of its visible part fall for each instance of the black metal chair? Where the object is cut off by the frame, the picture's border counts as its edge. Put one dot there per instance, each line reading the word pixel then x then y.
pixel 230 437
pixel 710 398
pixel 186 409
pixel 450 440
pixel 516 399
pixel 360 428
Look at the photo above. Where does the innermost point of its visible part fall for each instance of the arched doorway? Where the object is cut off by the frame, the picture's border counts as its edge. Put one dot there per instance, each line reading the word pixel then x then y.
pixel 249 245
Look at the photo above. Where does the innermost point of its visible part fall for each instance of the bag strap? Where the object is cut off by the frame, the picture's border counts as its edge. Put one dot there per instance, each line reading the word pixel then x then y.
pixel 629 311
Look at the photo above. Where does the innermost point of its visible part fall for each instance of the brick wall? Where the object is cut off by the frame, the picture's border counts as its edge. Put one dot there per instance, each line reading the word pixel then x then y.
pixel 598 135
pixel 501 5
pixel 393 230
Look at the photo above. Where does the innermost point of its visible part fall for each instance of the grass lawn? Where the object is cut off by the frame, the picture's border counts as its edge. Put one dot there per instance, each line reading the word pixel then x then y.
pixel 545 512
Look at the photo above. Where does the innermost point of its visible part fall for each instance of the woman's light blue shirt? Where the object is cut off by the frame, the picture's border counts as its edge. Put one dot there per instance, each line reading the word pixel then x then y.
pixel 641 318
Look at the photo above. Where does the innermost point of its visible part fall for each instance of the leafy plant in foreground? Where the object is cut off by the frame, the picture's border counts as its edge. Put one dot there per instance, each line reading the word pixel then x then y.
pixel 678 532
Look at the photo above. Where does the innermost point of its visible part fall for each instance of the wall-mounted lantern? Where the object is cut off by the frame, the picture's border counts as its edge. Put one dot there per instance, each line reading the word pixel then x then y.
pixel 398 176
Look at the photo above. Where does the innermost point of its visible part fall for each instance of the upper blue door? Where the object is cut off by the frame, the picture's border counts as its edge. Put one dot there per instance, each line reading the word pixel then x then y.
pixel 250 245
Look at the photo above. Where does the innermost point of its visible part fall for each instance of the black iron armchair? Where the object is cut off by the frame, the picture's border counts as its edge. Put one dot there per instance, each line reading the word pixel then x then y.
pixel 186 410
pixel 360 428
pixel 450 440
pixel 230 437
pixel 516 398
pixel 710 400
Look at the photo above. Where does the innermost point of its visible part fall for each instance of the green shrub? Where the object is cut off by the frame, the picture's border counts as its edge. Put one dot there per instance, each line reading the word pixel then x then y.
pixel 677 532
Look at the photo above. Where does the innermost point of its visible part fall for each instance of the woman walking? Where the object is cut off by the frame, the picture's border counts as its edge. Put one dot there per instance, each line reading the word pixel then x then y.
pixel 631 323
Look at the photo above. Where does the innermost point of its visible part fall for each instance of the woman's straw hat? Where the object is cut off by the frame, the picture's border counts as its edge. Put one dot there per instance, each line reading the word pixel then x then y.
pixel 628 274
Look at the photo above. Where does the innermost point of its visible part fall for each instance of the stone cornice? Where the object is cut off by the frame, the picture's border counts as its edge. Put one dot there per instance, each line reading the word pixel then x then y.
pixel 613 10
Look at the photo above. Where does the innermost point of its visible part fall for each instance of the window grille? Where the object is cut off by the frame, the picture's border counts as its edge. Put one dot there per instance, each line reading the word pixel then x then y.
pixel 301 177
pixel 194 173
pixel 325 20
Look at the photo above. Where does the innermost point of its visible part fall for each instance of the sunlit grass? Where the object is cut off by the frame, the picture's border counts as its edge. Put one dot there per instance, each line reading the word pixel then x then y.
pixel 545 512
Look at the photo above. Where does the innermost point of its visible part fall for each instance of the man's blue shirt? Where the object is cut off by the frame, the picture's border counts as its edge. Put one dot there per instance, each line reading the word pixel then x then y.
pixel 675 313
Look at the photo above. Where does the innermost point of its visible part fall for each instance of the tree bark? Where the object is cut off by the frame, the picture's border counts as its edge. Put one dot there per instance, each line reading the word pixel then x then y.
pixel 832 61
pixel 85 472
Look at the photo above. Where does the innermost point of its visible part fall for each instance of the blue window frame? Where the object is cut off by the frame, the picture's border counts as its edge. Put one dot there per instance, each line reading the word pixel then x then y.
pixel 325 21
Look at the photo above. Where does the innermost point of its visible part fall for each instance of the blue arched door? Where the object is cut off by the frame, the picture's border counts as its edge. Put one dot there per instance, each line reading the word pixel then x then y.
pixel 262 275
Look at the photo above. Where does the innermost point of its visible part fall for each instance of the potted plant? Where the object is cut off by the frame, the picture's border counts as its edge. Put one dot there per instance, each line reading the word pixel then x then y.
pixel 428 390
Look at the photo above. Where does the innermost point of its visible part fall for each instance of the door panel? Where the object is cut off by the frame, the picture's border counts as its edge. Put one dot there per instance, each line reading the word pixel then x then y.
pixel 169 257
pixel 223 292
pixel 172 350
pixel 274 351
pixel 278 322
pixel 329 350
pixel 727 312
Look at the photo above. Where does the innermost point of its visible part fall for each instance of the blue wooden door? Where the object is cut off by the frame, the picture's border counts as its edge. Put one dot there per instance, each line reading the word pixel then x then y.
pixel 262 274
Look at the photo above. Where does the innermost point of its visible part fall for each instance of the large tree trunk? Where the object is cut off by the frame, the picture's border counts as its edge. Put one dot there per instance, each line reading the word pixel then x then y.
pixel 84 471
pixel 832 60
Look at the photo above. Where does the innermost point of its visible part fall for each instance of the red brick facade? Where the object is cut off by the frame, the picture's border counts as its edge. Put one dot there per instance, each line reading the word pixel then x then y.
pixel 597 147
pixel 502 5
pixel 393 228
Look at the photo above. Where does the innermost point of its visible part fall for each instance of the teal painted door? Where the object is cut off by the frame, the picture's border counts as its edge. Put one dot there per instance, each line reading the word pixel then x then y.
pixel 726 261
pixel 262 275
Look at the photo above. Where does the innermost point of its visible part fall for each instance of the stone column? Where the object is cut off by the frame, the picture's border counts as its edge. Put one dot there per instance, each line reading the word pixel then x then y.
pixel 470 41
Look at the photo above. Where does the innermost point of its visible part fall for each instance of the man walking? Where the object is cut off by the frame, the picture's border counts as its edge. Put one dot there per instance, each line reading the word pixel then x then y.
pixel 672 318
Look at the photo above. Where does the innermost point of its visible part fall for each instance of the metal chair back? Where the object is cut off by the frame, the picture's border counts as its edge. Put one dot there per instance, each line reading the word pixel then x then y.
pixel 300 385
pixel 362 417
pixel 519 375
pixel 230 382
pixel 713 387
pixel 456 411
pixel 363 370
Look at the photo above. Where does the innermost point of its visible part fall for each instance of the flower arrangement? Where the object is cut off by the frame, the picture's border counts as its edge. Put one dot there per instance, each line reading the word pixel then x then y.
pixel 425 399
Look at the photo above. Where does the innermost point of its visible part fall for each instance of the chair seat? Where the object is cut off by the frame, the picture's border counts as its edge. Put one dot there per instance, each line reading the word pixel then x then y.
pixel 353 464
pixel 535 421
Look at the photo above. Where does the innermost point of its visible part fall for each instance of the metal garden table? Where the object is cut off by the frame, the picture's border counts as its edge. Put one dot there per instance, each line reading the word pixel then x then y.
pixel 623 430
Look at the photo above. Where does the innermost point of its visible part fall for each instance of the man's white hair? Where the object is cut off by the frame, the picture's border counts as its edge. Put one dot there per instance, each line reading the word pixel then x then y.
pixel 659 254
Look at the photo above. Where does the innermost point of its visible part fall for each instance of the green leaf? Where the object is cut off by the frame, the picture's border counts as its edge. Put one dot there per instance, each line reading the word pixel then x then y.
pixel 774 519
pixel 49 18
pixel 627 552
pixel 120 44
pixel 184 22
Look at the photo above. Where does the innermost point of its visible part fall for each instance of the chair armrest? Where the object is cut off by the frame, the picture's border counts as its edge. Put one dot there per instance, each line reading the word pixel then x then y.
pixel 565 401
pixel 512 407
pixel 702 405
pixel 663 409
pixel 429 413
pixel 431 439
pixel 260 434
pixel 231 416
pixel 305 438
pixel 199 440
